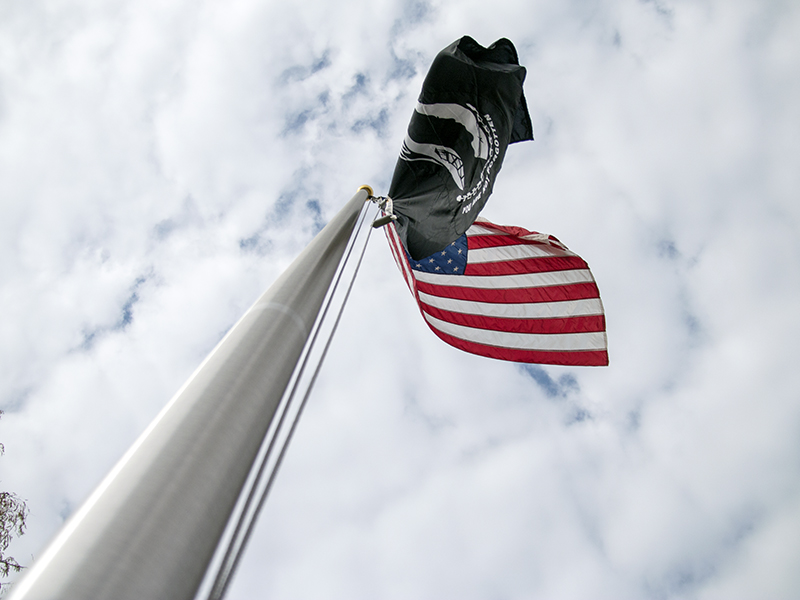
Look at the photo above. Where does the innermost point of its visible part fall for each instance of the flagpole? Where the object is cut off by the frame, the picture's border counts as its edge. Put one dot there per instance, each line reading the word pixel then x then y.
pixel 152 526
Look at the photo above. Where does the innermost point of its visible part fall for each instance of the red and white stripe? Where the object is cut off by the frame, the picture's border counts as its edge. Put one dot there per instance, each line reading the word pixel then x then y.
pixel 523 297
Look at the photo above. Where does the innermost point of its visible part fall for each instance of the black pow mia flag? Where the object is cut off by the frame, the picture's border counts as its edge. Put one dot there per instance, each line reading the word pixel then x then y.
pixel 470 108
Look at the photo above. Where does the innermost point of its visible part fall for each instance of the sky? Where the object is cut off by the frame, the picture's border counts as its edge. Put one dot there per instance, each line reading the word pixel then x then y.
pixel 162 161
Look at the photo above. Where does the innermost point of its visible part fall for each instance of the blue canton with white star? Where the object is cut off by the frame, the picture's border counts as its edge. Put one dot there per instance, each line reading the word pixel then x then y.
pixel 450 261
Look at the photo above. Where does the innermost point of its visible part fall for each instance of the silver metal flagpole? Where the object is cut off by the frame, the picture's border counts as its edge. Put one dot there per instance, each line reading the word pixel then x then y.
pixel 151 528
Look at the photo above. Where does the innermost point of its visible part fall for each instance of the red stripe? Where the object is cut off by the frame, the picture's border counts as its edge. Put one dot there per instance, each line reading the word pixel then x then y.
pixel 553 293
pixel 576 358
pixel 395 246
pixel 509 229
pixel 560 261
pixel 583 324
pixel 542 264
pixel 392 248
pixel 517 232
pixel 493 241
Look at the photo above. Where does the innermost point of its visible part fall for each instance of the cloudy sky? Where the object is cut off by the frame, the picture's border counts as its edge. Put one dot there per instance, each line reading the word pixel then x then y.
pixel 161 162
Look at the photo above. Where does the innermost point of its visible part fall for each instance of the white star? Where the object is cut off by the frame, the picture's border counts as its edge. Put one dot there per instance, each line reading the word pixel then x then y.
pixel 455 269
pixel 459 250
pixel 419 265
pixel 430 260
pixel 443 252
pixel 449 260
pixel 436 269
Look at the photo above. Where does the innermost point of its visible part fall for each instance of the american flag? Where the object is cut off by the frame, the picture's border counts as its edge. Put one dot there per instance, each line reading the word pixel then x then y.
pixel 509 293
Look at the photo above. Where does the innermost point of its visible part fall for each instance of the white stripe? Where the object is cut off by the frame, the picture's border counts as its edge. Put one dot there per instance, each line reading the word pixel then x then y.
pixel 476 229
pixel 522 341
pixel 535 310
pixel 508 281
pixel 399 258
pixel 518 252
pixel 394 252
pixel 406 270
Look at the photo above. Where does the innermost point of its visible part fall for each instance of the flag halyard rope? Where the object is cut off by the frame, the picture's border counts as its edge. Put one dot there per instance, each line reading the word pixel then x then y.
pixel 264 477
